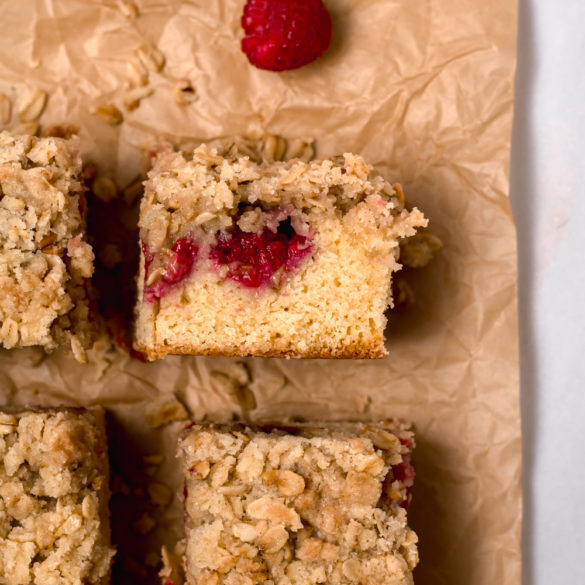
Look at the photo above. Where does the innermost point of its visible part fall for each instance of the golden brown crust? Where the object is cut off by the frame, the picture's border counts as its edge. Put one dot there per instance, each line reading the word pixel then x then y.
pixel 376 350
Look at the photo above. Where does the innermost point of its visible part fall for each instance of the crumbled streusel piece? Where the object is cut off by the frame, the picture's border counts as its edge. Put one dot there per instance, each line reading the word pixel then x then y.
pixel 163 410
pixel 418 250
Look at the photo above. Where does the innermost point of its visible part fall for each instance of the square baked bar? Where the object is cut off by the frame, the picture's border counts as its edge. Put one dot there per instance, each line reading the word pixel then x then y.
pixel 298 505
pixel 54 522
pixel 273 259
pixel 44 259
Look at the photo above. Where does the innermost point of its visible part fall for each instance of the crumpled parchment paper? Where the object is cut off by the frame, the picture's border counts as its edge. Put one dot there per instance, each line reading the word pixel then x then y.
pixel 423 89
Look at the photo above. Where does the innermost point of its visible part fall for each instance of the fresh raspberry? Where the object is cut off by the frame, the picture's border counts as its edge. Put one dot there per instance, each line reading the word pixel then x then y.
pixel 253 259
pixel 285 34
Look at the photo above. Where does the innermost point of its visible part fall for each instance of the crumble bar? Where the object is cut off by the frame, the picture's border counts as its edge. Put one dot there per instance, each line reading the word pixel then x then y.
pixel 298 505
pixel 45 262
pixel 54 522
pixel 258 257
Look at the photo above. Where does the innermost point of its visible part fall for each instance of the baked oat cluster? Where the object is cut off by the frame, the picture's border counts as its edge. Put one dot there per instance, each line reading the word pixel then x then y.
pixel 54 525
pixel 249 256
pixel 298 505
pixel 45 262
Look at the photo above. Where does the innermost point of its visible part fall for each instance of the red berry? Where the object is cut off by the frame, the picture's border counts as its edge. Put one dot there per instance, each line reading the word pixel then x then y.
pixel 178 266
pixel 253 259
pixel 185 252
pixel 285 34
pixel 404 473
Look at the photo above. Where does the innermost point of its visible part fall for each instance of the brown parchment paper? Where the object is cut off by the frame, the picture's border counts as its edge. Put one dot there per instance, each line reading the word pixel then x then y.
pixel 423 89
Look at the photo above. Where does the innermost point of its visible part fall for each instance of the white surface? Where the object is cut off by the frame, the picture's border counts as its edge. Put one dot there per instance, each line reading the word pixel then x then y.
pixel 548 198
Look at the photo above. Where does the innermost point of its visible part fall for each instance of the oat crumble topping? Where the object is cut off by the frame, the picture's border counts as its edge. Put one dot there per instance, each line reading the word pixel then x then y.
pixel 54 526
pixel 298 505
pixel 45 262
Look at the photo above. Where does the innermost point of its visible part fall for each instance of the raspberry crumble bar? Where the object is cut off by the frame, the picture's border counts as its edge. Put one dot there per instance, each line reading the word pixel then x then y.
pixel 275 259
pixel 54 523
pixel 45 262
pixel 298 505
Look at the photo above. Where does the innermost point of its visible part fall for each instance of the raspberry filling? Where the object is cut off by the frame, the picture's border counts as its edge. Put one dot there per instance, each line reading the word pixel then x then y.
pixel 404 473
pixel 253 260
pixel 174 266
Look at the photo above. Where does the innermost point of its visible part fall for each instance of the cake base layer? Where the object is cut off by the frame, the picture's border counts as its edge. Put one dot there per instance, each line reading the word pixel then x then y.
pixel 317 313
